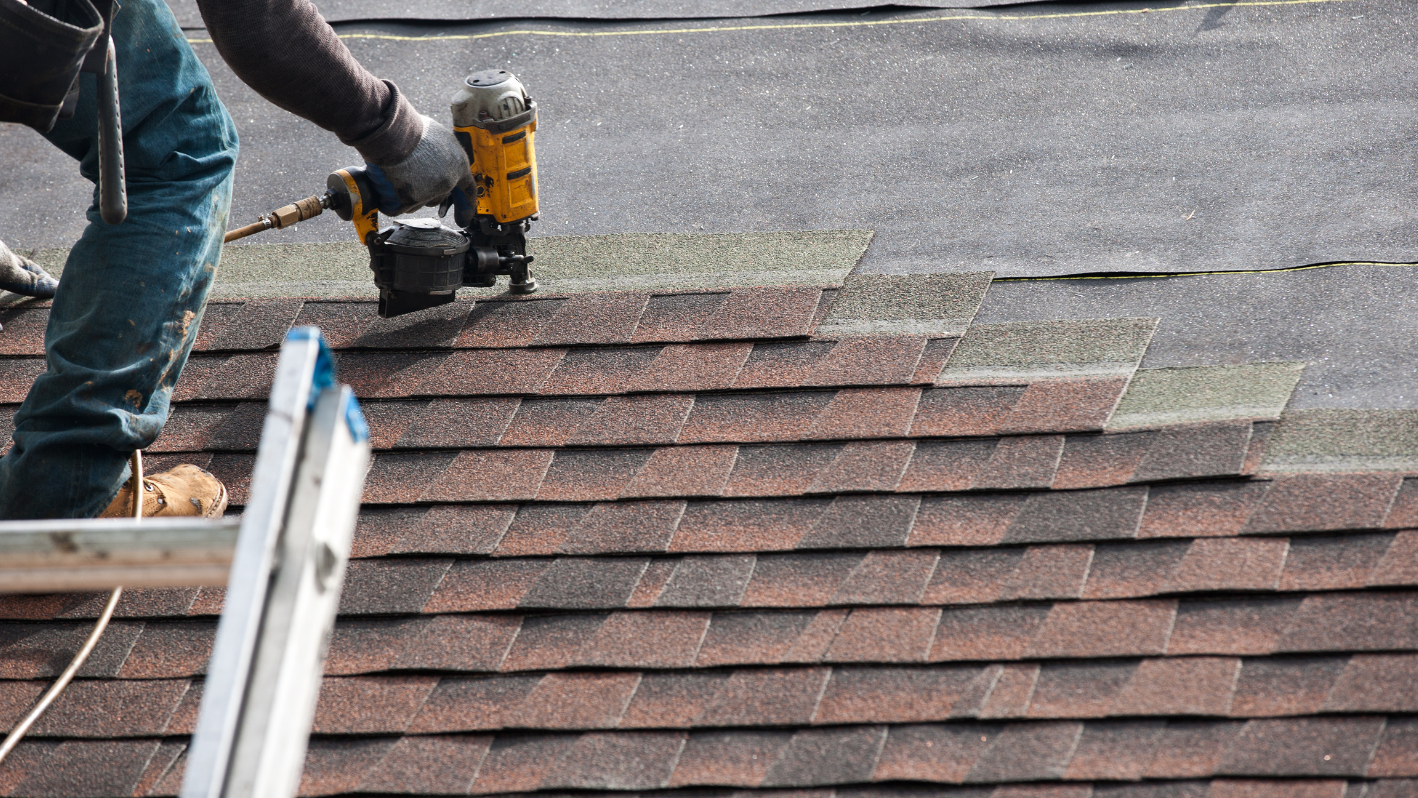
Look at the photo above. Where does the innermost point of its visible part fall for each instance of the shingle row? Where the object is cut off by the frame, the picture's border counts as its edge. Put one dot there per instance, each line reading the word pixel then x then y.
pixel 640 639
pixel 1209 509
pixel 1323 752
pixel 924 576
pixel 766 697
pixel 855 415
pixel 778 697
pixel 590 318
pixel 1335 622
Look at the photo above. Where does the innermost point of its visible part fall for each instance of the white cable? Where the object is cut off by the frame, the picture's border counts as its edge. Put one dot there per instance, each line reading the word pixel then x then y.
pixel 13 738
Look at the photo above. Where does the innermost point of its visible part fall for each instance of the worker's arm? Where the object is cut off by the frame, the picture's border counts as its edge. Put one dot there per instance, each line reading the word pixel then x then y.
pixel 291 56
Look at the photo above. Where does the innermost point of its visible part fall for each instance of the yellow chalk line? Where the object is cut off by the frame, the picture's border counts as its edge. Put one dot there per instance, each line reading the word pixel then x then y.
pixel 808 25
pixel 1229 273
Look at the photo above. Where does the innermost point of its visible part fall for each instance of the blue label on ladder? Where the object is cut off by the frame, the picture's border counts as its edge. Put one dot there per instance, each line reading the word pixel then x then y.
pixel 324 379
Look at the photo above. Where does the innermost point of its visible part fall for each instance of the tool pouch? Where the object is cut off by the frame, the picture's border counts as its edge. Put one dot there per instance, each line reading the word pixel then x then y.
pixel 43 44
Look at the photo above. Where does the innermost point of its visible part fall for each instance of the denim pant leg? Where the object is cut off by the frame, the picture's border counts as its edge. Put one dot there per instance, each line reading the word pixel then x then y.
pixel 132 294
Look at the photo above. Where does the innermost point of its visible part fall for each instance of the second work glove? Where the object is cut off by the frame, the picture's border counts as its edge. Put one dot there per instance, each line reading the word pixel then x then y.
pixel 20 275
pixel 435 168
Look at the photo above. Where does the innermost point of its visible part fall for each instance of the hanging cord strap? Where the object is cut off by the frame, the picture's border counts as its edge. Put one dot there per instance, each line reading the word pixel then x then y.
pixel 13 738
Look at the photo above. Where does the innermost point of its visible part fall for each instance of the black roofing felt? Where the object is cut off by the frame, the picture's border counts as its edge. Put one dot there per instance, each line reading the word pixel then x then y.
pixel 1237 136
pixel 469 10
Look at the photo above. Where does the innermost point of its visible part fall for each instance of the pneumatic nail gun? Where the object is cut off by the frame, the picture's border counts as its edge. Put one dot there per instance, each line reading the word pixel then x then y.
pixel 421 263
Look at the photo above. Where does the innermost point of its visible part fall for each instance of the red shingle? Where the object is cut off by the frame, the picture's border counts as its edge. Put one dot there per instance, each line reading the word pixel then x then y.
pixel 1049 572
pixel 949 412
pixel 1230 627
pixel 370 704
pixel 1325 501
pixel 625 527
pixel 753 418
pixel 1011 691
pixel 1189 686
pixel 469 643
pixel 166 650
pixel 590 475
pixel 1129 570
pixel 1404 512
pixel 798 580
pixel 936 753
pixel 550 642
pixel 1336 563
pixel 671 700
pixel 1079 689
pixel 866 413
pixel 692 367
pixel 598 318
pixel 1292 686
pixel 575 701
pixel 1216 509
pixel 827 757
pixel 479 585
pixel 964 520
pixel 1116 752
pixel 888 577
pixel 1373 683
pixel 520 763
pixel 946 465
pixel 635 420
pixel 1191 749
pixel 898 695
pixel 746 526
pixel 512 323
pixel 433 764
pixel 933 359
pixel 752 638
pixel 490 371
pixel 488 475
pixel 651 584
pixel 1097 461
pixel 760 313
pixel 1303 747
pixel 1273 788
pixel 379 375
pixel 599 370
pixel 885 635
pixel 1353 622
pixel 766 697
pixel 782 364
pixel 540 529
pixel 851 522
pixel 869 360
pixel 250 376
pixel 24 328
pixel 684 471
pixel 677 317
pixel 865 466
pixel 1064 406
pixel 585 583
pixel 1399 565
pixel 621 640
pixel 1397 753
pixel 189 428
pixel 734 758
pixel 1231 564
pixel 618 761
pixel 378 587
pixel 1105 629
pixel 548 422
pixel 1022 462
pixel 779 470
pixel 707 581
pixel 445 423
pixel 987 633
pixel 1028 752
pixel 975 576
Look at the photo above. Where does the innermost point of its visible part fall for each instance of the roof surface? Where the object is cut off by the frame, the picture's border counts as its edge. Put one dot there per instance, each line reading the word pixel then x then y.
pixel 796 541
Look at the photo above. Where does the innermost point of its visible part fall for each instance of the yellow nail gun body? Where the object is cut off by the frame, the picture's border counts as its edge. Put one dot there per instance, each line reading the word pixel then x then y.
pixel 422 263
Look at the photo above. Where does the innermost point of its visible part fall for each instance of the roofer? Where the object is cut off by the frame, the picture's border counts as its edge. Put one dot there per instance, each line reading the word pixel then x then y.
pixel 126 312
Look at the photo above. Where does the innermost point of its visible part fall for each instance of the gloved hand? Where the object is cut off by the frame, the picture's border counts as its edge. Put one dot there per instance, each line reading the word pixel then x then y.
pixel 23 276
pixel 437 167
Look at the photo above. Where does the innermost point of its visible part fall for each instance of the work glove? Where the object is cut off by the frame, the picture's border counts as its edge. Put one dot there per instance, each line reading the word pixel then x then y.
pixel 436 168
pixel 20 275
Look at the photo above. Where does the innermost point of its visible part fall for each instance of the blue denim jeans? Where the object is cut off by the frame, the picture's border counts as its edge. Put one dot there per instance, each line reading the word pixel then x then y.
pixel 132 294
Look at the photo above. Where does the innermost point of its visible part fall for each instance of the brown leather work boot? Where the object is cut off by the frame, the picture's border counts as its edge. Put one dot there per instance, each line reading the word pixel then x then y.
pixel 185 490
